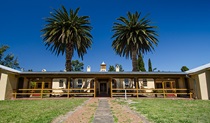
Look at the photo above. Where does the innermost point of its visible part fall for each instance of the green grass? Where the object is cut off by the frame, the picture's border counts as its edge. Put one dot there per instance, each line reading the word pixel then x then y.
pixel 35 111
pixel 173 111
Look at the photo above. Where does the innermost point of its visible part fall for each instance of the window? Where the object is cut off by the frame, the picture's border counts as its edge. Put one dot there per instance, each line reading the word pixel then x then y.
pixel 126 82
pixel 159 85
pixel 46 85
pixel 92 85
pixel 168 85
pixel 39 85
pixel 144 82
pixel 61 83
pixel 79 83
pixel 114 84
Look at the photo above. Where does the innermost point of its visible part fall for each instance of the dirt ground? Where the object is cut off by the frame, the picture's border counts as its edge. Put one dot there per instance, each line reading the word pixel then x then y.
pixel 85 114
pixel 122 113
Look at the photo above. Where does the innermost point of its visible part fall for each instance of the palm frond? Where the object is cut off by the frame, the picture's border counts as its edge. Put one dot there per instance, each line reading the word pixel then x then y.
pixel 64 27
pixel 133 32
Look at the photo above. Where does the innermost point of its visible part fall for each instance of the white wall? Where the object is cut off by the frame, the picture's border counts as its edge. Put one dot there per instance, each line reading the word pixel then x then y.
pixel 55 84
pixel 150 84
pixel 208 82
pixel 8 83
pixel 203 86
pixel 3 85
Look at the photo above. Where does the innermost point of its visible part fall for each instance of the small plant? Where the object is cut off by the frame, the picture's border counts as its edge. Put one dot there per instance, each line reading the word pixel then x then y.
pixel 33 84
pixel 91 119
pixel 46 93
pixel 115 119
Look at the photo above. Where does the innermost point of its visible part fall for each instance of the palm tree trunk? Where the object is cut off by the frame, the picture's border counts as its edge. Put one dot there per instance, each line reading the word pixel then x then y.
pixel 134 60
pixel 69 54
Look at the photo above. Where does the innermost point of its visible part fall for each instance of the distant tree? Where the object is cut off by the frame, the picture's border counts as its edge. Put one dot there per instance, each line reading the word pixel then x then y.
pixel 184 68
pixel 154 69
pixel 76 65
pixel 111 68
pixel 3 48
pixel 66 32
pixel 140 62
pixel 134 35
pixel 9 60
pixel 30 70
pixel 150 66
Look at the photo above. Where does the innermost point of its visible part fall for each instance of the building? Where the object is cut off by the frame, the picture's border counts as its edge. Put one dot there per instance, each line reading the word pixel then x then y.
pixel 194 83
pixel 200 81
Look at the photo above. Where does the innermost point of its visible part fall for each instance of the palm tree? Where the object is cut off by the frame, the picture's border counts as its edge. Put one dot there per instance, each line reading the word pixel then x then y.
pixel 67 32
pixel 133 36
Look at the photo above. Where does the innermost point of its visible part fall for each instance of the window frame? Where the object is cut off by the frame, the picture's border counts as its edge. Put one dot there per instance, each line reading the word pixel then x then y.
pixel 79 84
pixel 145 84
pixel 61 83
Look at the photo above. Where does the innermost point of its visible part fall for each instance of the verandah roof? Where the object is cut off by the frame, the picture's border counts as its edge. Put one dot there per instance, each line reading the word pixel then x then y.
pixel 106 74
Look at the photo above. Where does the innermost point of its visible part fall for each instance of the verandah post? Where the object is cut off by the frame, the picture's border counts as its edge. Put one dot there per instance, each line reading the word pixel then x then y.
pixel 15 94
pixel 163 89
pixel 68 79
pixel 190 95
pixel 111 87
pixel 94 88
pixel 137 91
pixel 154 90
pixel 42 88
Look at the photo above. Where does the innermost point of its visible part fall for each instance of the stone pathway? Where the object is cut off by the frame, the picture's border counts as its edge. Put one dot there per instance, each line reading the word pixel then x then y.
pixel 101 110
pixel 103 113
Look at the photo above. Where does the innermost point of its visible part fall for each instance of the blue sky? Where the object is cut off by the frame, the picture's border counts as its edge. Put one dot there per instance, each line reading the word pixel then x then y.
pixel 183 28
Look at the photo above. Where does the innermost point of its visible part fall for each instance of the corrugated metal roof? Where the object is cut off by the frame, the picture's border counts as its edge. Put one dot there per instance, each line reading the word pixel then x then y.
pixel 197 69
pixel 9 69
pixel 108 73
pixel 92 73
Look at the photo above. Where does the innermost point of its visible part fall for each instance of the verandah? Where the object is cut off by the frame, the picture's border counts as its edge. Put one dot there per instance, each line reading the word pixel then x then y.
pixel 130 86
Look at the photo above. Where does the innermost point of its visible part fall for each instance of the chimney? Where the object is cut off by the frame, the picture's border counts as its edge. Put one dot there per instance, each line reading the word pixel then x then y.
pixel 117 68
pixel 103 67
pixel 88 68
pixel 44 70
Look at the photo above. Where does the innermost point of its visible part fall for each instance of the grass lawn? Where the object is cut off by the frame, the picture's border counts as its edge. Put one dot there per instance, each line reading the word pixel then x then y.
pixel 173 111
pixel 35 111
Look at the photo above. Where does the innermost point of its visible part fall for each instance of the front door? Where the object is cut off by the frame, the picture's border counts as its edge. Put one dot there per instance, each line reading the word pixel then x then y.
pixel 103 88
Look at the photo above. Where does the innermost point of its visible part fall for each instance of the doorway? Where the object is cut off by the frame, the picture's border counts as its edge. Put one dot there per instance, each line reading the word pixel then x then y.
pixel 20 84
pixel 103 87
